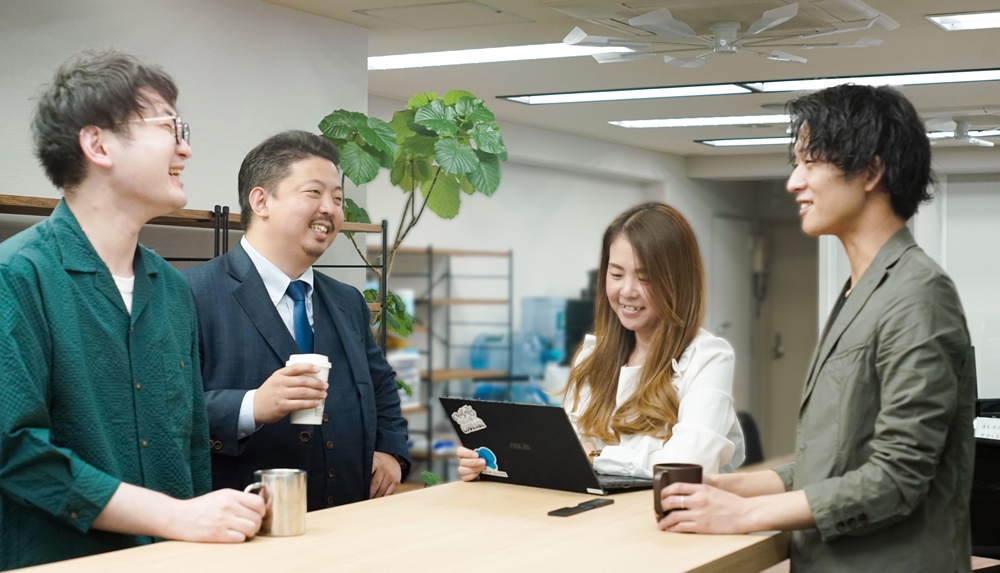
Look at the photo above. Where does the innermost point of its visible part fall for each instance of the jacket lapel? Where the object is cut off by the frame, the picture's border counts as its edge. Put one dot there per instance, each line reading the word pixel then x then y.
pixel 348 336
pixel 252 296
pixel 887 256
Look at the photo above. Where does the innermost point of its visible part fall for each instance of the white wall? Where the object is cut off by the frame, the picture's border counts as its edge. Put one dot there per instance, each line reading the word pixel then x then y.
pixel 246 69
pixel 971 234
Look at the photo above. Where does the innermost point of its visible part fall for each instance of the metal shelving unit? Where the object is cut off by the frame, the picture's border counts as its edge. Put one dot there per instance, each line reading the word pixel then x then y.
pixel 439 373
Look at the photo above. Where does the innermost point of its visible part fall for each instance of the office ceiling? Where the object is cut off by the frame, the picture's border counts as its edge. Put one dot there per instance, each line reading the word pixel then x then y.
pixel 408 26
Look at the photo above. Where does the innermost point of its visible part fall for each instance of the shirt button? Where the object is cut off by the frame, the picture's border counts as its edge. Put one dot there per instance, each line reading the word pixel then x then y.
pixel 138 385
pixel 145 443
pixel 326 418
pixel 329 500
pixel 73 515
pixel 217 446
pixel 182 364
pixel 329 473
pixel 329 445
pixel 304 437
pixel 131 328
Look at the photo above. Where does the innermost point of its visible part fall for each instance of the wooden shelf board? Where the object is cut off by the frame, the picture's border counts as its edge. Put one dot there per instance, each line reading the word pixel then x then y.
pixel 419 328
pixel 441 252
pixel 413 408
pixel 450 374
pixel 42 207
pixel 458 301
pixel 374 307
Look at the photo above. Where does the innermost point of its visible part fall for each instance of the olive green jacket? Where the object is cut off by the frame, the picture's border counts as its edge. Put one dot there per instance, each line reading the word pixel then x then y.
pixel 884 448
pixel 90 395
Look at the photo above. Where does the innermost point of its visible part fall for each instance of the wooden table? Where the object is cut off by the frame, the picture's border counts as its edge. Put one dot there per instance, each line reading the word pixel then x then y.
pixel 477 526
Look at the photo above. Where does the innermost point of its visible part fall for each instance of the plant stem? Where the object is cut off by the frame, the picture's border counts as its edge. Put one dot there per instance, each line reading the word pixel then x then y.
pixel 373 268
pixel 413 220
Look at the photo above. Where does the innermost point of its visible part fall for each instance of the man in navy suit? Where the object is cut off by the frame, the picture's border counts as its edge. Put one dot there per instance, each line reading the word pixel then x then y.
pixel 262 302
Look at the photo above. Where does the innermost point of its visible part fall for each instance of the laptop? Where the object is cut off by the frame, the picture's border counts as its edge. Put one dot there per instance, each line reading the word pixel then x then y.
pixel 530 444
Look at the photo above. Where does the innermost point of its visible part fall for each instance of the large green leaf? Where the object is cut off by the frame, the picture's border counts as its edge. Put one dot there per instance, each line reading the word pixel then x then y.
pixel 420 100
pixel 430 478
pixel 444 197
pixel 353 213
pixel 438 117
pixel 359 166
pixel 452 97
pixel 481 115
pixel 340 124
pixel 379 135
pixel 419 129
pixel 455 157
pixel 399 122
pixel 488 138
pixel 467 106
pixel 384 159
pixel 467 187
pixel 419 146
pixel 407 170
pixel 486 177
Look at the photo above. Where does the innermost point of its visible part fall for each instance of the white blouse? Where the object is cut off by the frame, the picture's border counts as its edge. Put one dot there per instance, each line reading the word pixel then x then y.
pixel 707 431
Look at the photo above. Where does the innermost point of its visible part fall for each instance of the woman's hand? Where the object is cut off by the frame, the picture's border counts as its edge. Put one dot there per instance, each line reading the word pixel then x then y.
pixel 701 508
pixel 470 465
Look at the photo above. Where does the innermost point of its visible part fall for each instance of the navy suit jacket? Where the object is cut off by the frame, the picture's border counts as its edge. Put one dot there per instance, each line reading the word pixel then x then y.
pixel 243 341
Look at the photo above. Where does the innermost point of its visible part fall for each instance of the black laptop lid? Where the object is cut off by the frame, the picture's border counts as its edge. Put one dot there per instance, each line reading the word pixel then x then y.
pixel 523 444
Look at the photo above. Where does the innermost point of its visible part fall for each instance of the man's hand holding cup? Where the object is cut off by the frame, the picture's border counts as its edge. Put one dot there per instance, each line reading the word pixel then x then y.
pixel 290 389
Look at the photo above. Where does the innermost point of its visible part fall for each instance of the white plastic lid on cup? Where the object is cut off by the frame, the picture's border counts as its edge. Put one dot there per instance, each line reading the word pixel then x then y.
pixel 317 359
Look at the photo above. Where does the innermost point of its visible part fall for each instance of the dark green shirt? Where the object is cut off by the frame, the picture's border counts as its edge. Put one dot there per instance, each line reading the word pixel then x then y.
pixel 90 395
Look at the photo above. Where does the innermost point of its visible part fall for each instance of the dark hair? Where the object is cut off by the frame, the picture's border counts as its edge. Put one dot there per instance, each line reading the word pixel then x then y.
pixel 857 128
pixel 269 163
pixel 92 88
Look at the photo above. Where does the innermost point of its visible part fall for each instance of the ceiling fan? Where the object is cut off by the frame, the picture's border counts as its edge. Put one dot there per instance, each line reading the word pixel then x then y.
pixel 725 38
pixel 953 129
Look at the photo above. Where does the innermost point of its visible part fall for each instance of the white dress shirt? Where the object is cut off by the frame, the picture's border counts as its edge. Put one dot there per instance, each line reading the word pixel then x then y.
pixel 707 431
pixel 276 282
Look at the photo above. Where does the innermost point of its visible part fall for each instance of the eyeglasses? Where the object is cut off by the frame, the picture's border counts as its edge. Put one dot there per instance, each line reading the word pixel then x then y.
pixel 181 129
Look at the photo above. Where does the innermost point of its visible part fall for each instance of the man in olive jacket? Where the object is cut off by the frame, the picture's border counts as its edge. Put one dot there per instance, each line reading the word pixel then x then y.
pixel 884 455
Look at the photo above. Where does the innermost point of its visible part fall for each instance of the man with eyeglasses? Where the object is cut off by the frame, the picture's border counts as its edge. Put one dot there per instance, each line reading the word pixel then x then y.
pixel 103 431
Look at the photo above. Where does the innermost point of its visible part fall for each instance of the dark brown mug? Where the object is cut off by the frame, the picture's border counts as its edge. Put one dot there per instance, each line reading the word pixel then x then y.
pixel 666 474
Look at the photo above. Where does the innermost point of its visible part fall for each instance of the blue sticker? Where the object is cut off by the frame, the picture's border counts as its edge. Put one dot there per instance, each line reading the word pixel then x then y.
pixel 491 462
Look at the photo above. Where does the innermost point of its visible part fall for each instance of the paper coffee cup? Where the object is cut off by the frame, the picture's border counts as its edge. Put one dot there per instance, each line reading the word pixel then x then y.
pixel 311 416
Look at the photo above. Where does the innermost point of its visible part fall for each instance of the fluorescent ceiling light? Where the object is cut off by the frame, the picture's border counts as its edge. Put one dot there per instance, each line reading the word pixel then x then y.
pixel 618 95
pixel 979 21
pixel 750 141
pixel 702 121
pixel 893 80
pixel 487 55
pixel 947 134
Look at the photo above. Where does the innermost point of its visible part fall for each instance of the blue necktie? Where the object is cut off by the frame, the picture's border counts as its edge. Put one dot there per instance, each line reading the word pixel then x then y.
pixel 303 332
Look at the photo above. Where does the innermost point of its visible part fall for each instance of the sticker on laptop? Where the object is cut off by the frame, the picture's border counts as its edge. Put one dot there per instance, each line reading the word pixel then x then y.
pixel 467 420
pixel 491 462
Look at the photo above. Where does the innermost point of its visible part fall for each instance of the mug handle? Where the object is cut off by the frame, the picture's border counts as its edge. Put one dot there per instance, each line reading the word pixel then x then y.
pixel 259 485
pixel 658 484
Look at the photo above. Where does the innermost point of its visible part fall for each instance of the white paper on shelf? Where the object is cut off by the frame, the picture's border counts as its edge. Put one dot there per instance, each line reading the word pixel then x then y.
pixel 987 428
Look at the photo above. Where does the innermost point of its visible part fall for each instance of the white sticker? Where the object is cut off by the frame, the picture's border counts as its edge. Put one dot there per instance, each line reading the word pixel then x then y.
pixel 467 420
pixel 491 462
pixel 595 491
pixel 987 428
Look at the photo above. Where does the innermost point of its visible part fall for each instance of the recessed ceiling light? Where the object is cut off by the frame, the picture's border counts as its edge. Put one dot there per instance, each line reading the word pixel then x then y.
pixel 618 95
pixel 891 80
pixel 947 134
pixel 487 55
pixel 702 121
pixel 975 21
pixel 749 141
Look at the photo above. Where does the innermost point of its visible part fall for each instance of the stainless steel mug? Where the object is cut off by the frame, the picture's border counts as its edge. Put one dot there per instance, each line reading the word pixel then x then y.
pixel 284 493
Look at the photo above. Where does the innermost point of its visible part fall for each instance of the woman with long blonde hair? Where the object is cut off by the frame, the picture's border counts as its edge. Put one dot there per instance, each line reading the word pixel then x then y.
pixel 650 386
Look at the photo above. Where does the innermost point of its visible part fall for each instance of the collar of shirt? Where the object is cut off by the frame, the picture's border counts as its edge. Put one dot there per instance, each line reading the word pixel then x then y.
pixel 275 280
